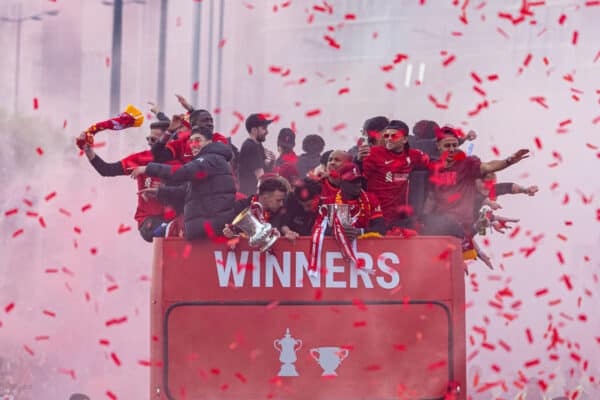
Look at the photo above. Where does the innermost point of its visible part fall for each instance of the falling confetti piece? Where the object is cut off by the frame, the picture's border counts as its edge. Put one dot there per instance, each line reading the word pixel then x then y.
pixel 39 151
pixel 86 207
pixel 35 103
pixel 11 212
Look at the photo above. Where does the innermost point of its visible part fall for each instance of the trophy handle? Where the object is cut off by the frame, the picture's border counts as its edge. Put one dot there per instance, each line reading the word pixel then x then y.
pixel 313 352
pixel 257 211
pixel 344 353
pixel 277 342
pixel 299 344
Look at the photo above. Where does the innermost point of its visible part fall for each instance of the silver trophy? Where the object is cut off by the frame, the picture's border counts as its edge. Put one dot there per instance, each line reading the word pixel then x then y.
pixel 287 346
pixel 343 213
pixel 260 233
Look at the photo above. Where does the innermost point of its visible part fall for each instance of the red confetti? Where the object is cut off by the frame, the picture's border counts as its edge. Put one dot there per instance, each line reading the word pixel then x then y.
pixel 35 103
pixel 11 212
pixel 115 321
pixel 349 17
pixel 42 222
pixel 50 313
pixel 437 365
pixel 560 257
pixel 9 307
pixel 18 232
pixel 94 251
pixel 39 151
pixel 390 86
pixel 111 395
pixel 448 60
pixel 86 207
pixel 541 292
pixel 343 91
pixel 28 349
pixel 527 59
pixel 495 151
pixel 115 359
pixel 312 113
pixel 241 377
pixel 532 363
pixel 538 143
pixel 575 37
pixel 529 335
pixel 104 342
pixel 196 86
pixel 562 19
pixel 123 229
pixel 359 324
pixel 331 42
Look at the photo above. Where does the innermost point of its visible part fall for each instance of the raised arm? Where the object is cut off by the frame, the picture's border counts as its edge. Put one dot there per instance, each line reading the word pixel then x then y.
pixel 498 165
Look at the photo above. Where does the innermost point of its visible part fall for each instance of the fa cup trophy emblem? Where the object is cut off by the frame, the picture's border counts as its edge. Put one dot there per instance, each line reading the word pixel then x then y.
pixel 287 347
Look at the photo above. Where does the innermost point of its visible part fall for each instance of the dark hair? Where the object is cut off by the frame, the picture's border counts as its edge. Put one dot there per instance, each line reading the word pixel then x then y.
pixel 378 124
pixel 286 140
pixel 306 188
pixel 313 144
pixel 204 131
pixel 398 125
pixel 270 185
pixel 194 115
pixel 325 157
pixel 425 129
pixel 162 125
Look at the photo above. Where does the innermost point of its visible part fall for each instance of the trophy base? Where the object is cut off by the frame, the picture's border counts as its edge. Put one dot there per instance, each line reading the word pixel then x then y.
pixel 288 370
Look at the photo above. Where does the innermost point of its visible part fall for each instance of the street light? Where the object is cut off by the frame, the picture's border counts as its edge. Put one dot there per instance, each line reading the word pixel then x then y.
pixel 19 20
pixel 117 39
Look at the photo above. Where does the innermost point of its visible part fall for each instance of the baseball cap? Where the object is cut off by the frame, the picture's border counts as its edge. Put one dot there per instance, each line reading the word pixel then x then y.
pixel 445 131
pixel 349 172
pixel 256 120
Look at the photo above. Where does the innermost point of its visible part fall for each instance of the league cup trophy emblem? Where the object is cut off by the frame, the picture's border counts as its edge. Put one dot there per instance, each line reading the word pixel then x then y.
pixel 329 358
pixel 260 233
pixel 287 347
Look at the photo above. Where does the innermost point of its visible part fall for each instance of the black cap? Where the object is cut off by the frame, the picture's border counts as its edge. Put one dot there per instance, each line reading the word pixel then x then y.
pixel 256 120
pixel 286 138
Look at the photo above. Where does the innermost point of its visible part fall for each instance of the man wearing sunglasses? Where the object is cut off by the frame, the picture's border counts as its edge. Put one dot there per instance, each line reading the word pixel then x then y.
pixel 386 169
pixel 150 213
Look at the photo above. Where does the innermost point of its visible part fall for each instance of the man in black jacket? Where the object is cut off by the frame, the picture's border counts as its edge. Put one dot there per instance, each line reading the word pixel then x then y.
pixel 210 191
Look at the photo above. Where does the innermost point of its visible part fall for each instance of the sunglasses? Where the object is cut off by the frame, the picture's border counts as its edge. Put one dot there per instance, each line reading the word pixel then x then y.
pixel 151 139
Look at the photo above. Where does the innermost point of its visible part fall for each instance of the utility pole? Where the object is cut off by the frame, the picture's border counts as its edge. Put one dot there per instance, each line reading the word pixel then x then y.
pixel 220 60
pixel 196 53
pixel 19 21
pixel 162 52
pixel 115 72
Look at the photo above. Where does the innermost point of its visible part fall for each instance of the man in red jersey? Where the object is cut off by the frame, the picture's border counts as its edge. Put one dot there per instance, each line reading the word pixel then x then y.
pixel 365 210
pixel 150 213
pixel 330 183
pixel 449 210
pixel 386 169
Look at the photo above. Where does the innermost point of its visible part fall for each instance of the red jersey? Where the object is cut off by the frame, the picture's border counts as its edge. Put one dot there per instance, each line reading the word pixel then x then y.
pixel 286 167
pixel 387 178
pixel 364 209
pixel 180 147
pixel 150 207
pixel 454 190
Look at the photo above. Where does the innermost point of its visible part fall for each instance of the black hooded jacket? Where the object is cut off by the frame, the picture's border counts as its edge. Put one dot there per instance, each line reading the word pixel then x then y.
pixel 210 195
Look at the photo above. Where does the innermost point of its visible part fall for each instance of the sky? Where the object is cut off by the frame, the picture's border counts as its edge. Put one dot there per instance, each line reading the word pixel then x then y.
pixel 521 77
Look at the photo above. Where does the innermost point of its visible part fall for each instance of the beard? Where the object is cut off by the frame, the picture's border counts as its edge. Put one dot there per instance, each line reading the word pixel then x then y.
pixel 261 138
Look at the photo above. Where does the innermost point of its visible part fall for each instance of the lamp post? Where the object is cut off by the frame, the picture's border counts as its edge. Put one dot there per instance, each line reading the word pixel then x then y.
pixel 117 40
pixel 19 21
